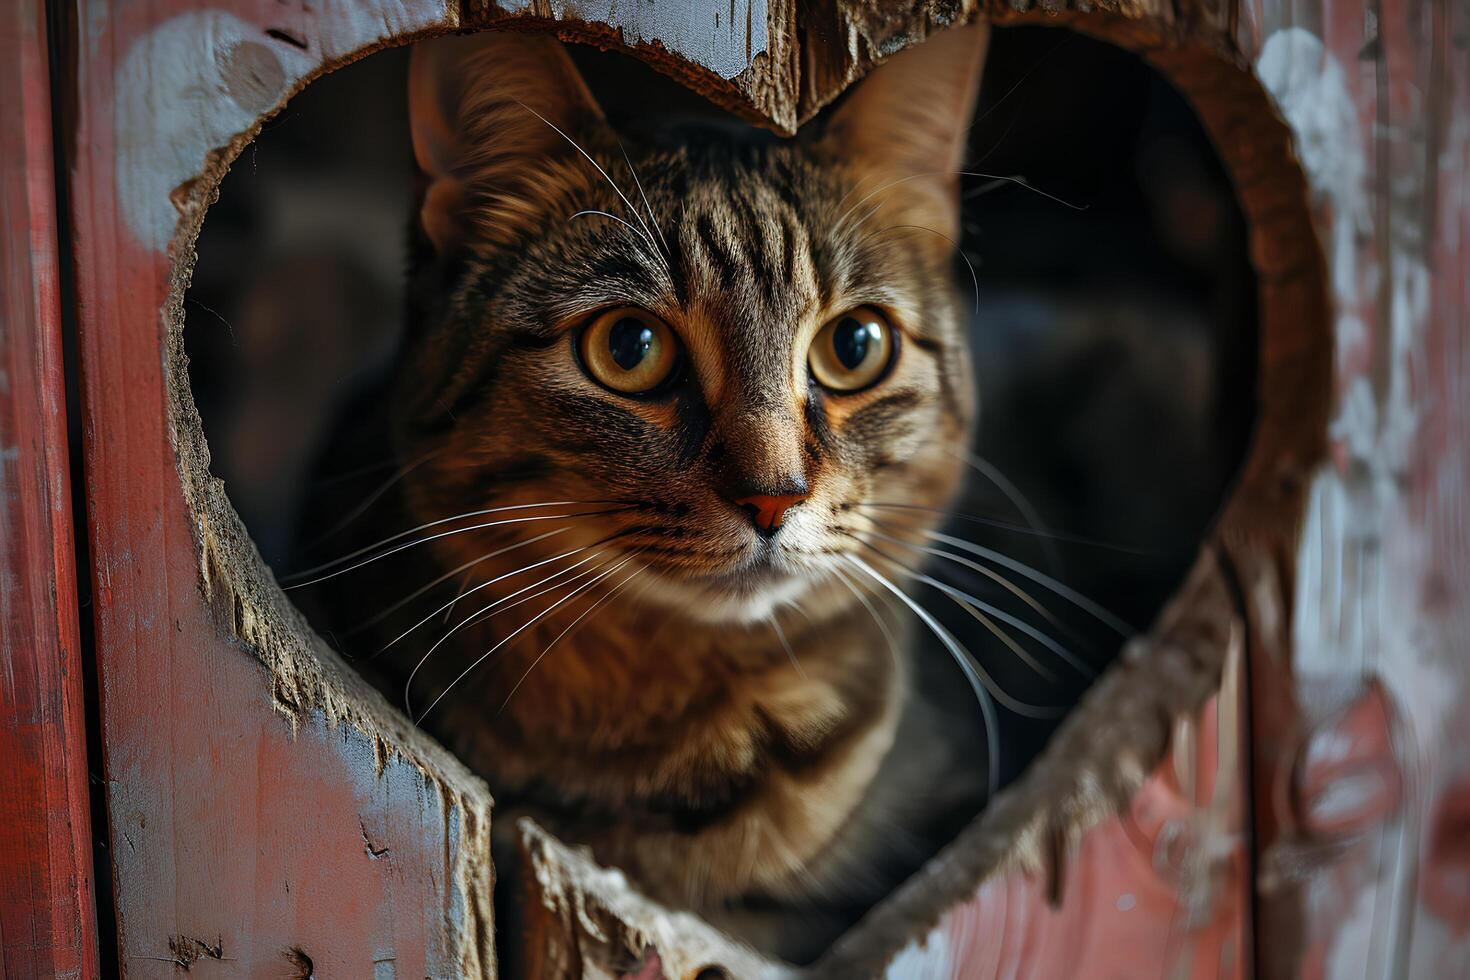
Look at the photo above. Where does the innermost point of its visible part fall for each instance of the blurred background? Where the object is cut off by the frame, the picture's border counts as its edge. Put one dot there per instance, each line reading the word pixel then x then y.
pixel 1114 339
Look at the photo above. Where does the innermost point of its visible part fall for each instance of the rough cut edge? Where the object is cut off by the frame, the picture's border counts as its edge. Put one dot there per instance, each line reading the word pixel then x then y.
pixel 596 916
pixel 759 94
pixel 861 34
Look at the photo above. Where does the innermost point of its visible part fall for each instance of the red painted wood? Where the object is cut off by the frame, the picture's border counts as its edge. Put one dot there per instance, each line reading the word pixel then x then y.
pixel 1362 772
pixel 243 844
pixel 1160 890
pixel 47 915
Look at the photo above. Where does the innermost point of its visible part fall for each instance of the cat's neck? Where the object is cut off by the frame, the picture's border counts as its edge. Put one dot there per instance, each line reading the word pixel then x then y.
pixel 642 701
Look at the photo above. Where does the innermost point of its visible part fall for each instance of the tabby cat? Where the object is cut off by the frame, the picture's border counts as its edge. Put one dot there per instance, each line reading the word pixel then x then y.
pixel 648 394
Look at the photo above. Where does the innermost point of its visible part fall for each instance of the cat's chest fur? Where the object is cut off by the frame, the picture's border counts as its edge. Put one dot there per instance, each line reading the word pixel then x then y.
pixel 709 766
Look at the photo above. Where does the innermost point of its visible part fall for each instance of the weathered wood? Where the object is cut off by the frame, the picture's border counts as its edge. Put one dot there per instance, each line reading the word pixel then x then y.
pixel 1361 764
pixel 269 815
pixel 47 915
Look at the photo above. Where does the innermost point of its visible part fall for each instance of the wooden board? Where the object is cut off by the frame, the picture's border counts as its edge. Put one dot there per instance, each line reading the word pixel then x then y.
pixel 268 815
pixel 47 919
pixel 1363 761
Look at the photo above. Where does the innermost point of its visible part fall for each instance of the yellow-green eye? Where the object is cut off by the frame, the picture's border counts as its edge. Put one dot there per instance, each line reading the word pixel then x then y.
pixel 853 351
pixel 629 350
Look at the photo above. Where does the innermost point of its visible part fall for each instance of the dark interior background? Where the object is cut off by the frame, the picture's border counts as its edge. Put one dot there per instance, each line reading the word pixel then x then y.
pixel 1113 342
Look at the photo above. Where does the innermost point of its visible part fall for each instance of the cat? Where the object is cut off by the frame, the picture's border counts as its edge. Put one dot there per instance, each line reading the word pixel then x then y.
pixel 669 415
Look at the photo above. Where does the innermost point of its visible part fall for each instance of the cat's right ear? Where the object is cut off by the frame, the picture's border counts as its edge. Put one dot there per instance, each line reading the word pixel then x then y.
pixel 487 110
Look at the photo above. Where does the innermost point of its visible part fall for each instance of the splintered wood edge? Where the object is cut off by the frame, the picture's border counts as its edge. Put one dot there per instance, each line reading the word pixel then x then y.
pixel 582 915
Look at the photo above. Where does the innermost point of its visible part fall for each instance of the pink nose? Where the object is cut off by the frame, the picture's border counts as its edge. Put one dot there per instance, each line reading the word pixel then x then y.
pixel 766 511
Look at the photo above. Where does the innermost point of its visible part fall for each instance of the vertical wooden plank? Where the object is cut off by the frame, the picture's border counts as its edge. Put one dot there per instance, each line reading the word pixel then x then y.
pixel 1364 869
pixel 47 915
pixel 269 816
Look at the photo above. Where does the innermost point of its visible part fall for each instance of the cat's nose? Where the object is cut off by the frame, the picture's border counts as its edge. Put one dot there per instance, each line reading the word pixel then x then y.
pixel 767 510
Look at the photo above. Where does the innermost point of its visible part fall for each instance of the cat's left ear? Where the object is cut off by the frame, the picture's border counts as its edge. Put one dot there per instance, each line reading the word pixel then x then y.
pixel 909 119
pixel 487 111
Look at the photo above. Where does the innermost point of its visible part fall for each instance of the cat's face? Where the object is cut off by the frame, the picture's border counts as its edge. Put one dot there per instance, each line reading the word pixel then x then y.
pixel 715 364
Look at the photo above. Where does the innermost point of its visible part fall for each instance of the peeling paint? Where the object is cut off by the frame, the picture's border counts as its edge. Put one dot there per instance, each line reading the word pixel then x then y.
pixel 726 47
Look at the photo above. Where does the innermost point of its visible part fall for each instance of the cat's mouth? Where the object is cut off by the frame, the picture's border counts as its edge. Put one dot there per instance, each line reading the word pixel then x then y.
pixel 747 589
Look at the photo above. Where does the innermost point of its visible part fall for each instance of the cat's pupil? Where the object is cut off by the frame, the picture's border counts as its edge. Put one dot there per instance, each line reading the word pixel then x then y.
pixel 629 341
pixel 851 341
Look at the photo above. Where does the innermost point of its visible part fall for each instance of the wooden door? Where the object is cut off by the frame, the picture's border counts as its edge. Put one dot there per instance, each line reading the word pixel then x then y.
pixel 1287 785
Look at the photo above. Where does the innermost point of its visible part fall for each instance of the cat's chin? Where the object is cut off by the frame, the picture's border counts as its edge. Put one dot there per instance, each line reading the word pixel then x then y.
pixel 739 598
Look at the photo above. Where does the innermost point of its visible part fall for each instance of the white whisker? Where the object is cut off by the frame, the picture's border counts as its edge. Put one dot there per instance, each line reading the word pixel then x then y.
pixel 486 584
pixel 521 629
pixel 974 279
pixel 1018 500
pixel 604 214
pixel 467 567
pixel 1010 179
pixel 611 183
pixel 651 216
pixel 786 645
pixel 460 517
pixel 1021 568
pixel 989 573
pixel 973 673
pixel 965 599
pixel 584 614
pixel 435 537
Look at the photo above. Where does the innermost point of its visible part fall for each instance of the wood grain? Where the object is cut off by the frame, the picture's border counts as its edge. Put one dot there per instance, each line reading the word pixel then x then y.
pixel 268 815
pixel 47 915
pixel 1362 758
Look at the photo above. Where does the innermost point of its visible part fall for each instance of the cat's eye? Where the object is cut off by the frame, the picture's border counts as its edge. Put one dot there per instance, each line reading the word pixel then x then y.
pixel 629 350
pixel 853 351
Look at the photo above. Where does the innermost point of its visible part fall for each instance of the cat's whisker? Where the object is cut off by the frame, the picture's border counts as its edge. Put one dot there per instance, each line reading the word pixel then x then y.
pixel 519 630
pixel 373 497
pixel 1021 568
pixel 1006 178
pixel 463 584
pixel 1022 708
pixel 989 573
pixel 979 681
pixel 435 537
pixel 1011 492
pixel 982 190
pixel 598 167
pixel 603 214
pixel 467 567
pixel 786 645
pixel 976 605
pixel 854 587
pixel 499 578
pixel 622 504
pixel 490 610
pixel 979 606
pixel 651 216
pixel 570 626
pixel 1002 525
pixel 974 279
